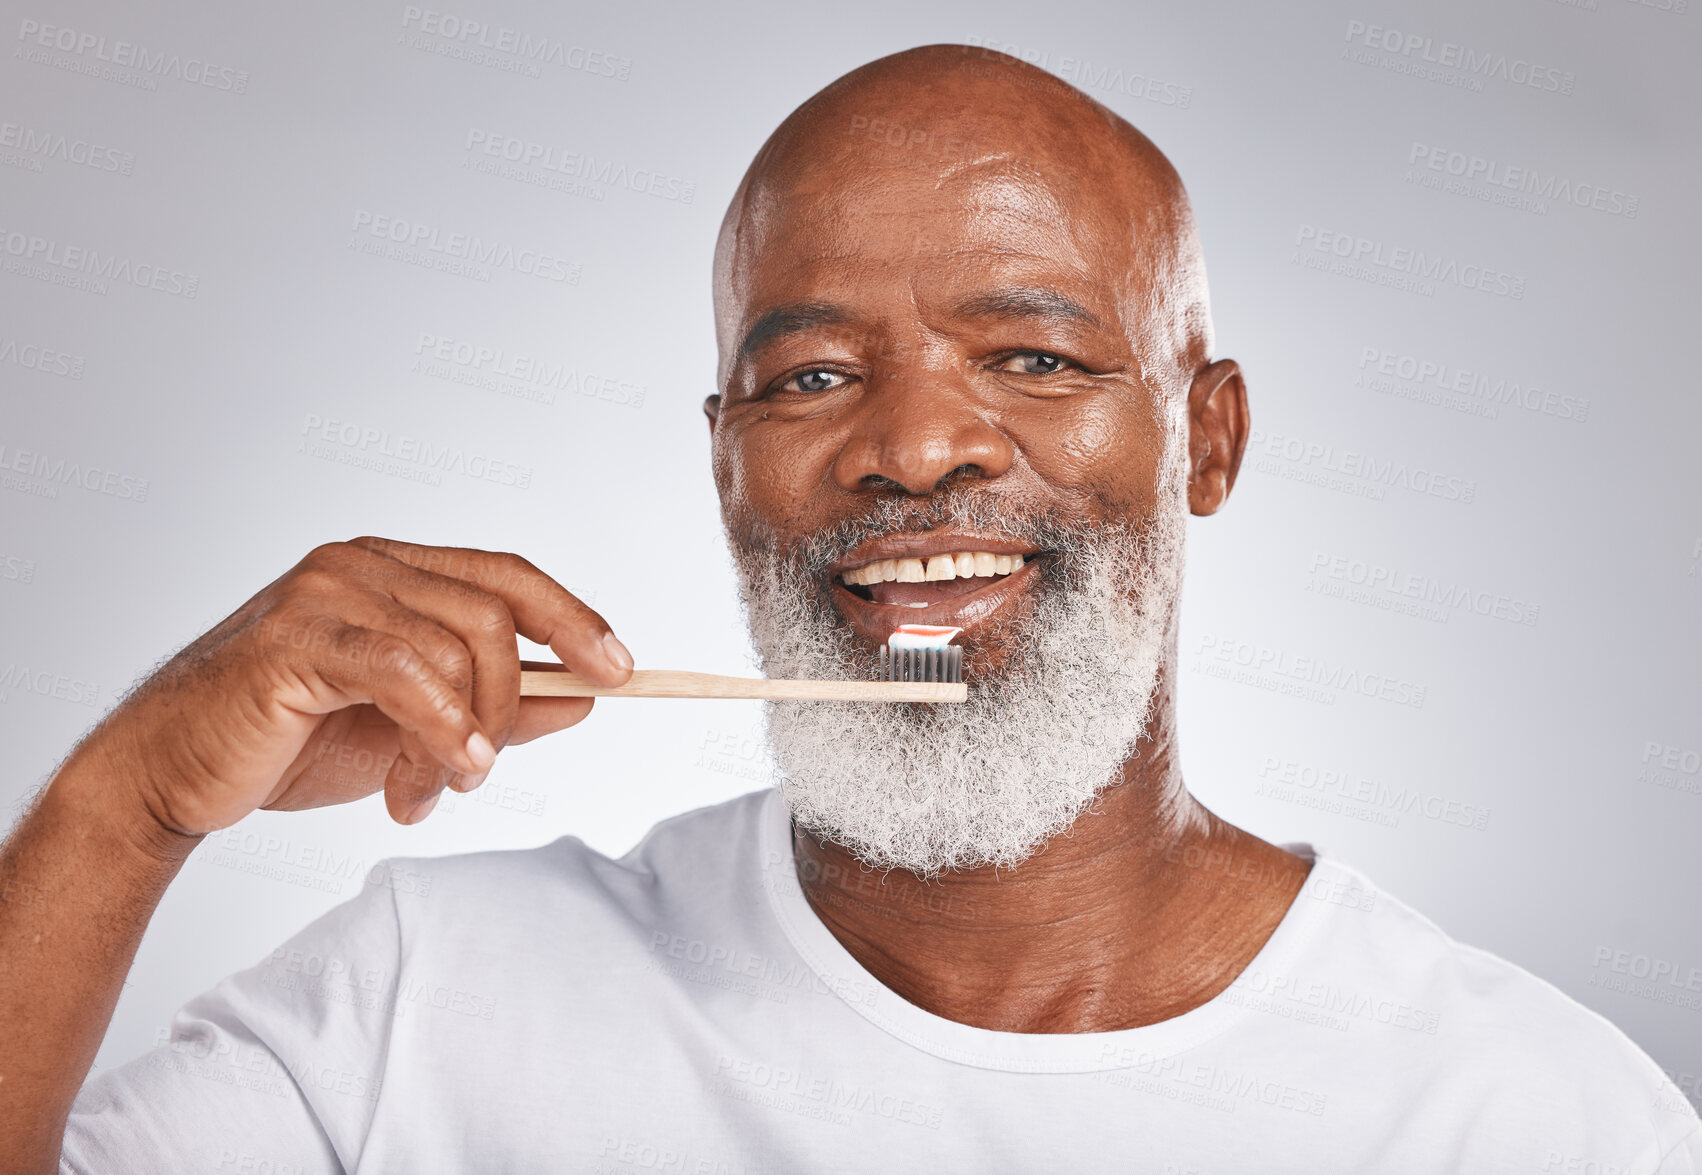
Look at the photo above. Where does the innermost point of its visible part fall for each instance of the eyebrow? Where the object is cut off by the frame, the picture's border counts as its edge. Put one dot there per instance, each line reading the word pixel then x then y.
pixel 790 319
pixel 1009 302
pixel 1026 302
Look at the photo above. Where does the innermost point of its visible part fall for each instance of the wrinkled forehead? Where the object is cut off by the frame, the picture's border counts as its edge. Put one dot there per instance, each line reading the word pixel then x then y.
pixel 853 197
pixel 856 218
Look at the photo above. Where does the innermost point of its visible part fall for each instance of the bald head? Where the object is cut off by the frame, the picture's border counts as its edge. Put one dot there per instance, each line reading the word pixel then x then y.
pixel 1029 164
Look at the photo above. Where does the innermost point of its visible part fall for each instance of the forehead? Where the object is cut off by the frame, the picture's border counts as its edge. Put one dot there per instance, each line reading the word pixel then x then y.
pixel 855 218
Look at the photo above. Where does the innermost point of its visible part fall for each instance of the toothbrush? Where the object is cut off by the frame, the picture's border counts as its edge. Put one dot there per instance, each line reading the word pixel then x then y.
pixel 918 664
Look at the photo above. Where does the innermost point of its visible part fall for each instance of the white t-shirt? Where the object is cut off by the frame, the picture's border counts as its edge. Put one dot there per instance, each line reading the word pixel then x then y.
pixel 682 1011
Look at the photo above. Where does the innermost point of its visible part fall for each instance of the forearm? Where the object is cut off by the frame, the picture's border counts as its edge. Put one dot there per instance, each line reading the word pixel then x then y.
pixel 79 879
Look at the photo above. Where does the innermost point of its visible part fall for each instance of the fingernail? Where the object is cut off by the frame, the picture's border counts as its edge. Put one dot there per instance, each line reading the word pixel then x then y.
pixel 480 751
pixel 423 809
pixel 616 652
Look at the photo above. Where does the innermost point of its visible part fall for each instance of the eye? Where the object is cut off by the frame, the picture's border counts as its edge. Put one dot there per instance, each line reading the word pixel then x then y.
pixel 815 380
pixel 1033 363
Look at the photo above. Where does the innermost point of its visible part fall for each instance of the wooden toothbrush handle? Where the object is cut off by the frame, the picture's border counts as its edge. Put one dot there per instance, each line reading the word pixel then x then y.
pixel 678 683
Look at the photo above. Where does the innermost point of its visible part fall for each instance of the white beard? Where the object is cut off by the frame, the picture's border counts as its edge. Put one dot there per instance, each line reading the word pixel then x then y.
pixel 929 789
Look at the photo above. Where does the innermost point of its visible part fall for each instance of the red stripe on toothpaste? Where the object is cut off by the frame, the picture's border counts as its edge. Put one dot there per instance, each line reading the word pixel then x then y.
pixel 921 636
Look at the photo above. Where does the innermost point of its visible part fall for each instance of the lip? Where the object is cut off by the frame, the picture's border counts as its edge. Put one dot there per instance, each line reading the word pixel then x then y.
pixel 923 544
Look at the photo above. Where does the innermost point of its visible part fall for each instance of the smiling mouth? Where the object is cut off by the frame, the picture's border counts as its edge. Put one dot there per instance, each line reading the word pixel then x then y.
pixel 922 582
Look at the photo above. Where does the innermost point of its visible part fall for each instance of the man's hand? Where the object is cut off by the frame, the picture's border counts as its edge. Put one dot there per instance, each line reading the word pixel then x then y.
pixel 370 665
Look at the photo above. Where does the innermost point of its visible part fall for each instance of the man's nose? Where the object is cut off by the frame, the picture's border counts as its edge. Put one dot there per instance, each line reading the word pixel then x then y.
pixel 916 431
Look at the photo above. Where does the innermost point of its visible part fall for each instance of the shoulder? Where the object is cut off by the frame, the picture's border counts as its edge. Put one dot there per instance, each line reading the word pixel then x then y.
pixel 567 875
pixel 1487 1033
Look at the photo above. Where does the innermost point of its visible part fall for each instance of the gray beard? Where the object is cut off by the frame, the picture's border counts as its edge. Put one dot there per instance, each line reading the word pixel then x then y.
pixel 929 789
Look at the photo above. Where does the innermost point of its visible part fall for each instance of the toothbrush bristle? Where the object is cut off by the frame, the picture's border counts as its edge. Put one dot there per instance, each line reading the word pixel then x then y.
pixel 922 664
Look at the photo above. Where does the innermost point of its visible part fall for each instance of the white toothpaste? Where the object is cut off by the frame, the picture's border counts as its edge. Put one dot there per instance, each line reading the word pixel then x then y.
pixel 921 636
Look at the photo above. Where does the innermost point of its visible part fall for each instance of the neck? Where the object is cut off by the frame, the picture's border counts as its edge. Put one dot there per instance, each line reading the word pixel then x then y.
pixel 1150 906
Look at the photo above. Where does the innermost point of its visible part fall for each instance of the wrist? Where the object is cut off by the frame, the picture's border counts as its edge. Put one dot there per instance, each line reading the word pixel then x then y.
pixel 98 794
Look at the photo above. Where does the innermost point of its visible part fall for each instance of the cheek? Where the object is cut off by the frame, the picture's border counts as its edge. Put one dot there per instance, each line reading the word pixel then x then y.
pixel 1107 448
pixel 771 469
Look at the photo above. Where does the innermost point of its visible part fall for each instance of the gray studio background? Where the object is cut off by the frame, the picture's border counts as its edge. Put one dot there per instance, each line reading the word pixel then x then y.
pixel 1447 627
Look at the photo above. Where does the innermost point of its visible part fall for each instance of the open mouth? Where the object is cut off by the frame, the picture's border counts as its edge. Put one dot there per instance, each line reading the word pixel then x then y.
pixel 928 580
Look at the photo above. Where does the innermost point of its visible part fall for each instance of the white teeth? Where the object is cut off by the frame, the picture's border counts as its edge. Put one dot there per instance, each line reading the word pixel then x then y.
pixel 958 565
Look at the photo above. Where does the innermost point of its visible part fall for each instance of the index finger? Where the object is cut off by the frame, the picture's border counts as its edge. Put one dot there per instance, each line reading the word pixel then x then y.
pixel 543 610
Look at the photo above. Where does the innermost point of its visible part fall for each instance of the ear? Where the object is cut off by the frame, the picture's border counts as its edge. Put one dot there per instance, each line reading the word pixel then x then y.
pixel 1217 434
pixel 712 409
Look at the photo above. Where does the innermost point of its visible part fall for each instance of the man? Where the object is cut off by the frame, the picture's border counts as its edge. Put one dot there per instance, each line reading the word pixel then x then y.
pixel 997 936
